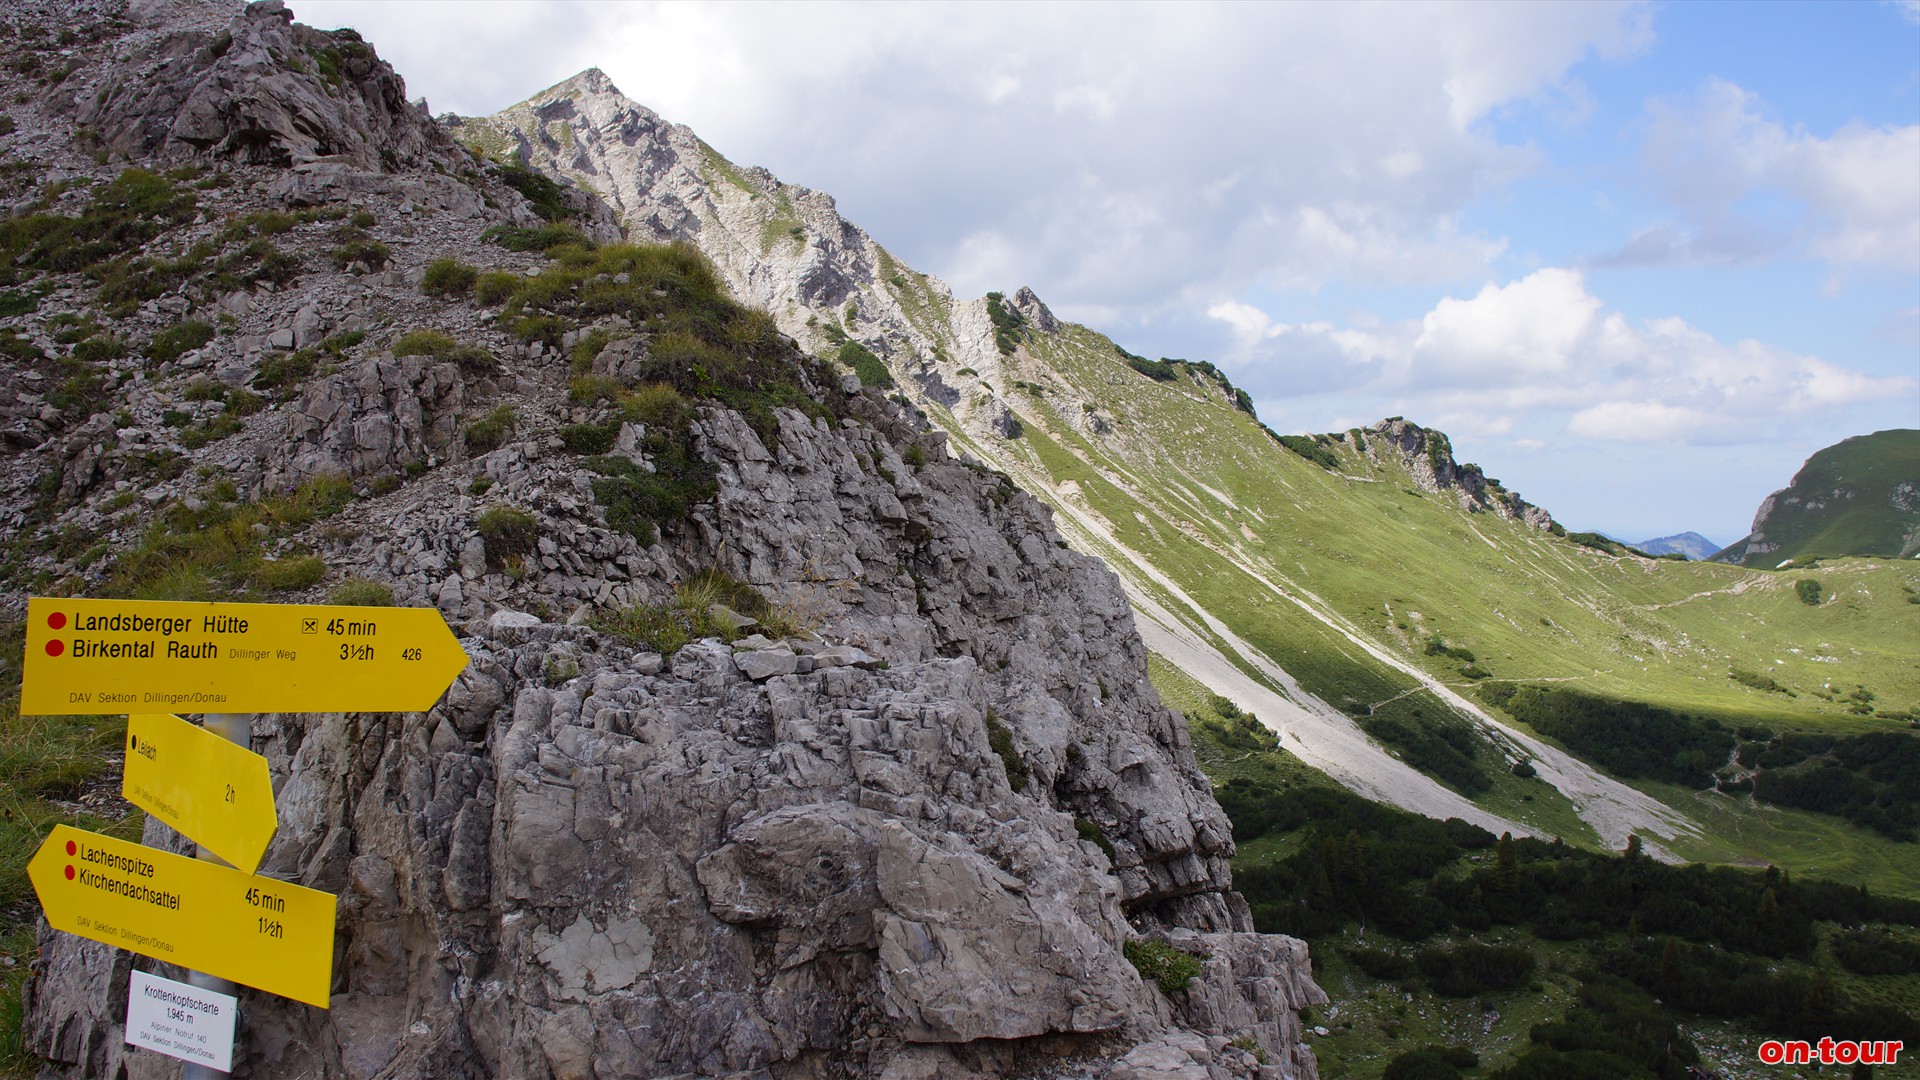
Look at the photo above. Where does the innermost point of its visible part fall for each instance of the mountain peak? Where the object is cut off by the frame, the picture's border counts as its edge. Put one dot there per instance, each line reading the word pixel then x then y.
pixel 589 83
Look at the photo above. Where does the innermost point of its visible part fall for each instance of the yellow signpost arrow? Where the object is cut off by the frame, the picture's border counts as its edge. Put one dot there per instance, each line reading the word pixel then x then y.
pixel 215 792
pixel 255 931
pixel 125 656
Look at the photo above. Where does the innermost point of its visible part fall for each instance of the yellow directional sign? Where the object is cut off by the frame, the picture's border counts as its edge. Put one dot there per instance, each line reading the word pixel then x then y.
pixel 128 656
pixel 214 792
pixel 255 931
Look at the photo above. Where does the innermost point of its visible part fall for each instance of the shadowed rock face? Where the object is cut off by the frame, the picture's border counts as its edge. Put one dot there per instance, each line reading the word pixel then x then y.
pixel 856 851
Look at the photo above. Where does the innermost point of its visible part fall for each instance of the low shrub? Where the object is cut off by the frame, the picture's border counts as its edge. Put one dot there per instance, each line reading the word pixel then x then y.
pixel 177 340
pixel 691 614
pixel 495 286
pixel 1161 963
pixel 294 572
pixel 1001 740
pixel 491 430
pixel 356 245
pixel 546 195
pixel 360 592
pixel 589 438
pixel 542 238
pixel 448 277
pixel 507 533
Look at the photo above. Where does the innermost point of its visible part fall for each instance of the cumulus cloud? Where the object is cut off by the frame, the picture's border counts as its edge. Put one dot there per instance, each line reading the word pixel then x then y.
pixel 1748 187
pixel 1131 157
pixel 1545 345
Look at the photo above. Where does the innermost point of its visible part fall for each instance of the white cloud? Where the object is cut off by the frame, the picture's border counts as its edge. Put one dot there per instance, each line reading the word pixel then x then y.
pixel 1748 187
pixel 1544 346
pixel 1529 327
pixel 1639 421
pixel 1285 144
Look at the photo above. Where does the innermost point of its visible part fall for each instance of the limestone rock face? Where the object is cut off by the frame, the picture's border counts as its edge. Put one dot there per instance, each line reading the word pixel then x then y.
pixel 261 90
pixel 384 415
pixel 780 246
pixel 706 865
pixel 1428 456
pixel 859 845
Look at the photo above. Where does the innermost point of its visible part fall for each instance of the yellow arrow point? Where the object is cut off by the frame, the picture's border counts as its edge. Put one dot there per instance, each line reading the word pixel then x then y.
pixel 256 931
pixel 215 792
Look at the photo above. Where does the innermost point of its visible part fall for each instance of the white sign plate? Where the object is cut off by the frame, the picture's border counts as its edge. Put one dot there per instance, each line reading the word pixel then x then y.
pixel 181 1021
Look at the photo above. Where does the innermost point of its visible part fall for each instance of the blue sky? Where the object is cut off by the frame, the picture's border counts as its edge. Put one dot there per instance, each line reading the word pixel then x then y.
pixel 1637 260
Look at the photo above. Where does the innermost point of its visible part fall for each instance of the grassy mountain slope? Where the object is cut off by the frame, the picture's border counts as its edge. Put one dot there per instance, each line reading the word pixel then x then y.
pixel 1251 544
pixel 1360 602
pixel 1860 496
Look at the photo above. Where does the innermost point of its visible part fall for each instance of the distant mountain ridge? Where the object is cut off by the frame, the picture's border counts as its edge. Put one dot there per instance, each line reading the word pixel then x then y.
pixel 1860 496
pixel 1690 544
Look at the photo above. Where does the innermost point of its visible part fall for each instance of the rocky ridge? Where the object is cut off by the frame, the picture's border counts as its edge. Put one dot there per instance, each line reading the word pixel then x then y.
pixel 906 831
pixel 1427 456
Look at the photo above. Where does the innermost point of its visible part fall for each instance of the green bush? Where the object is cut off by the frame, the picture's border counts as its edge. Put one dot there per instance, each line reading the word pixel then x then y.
pixel 1162 964
pixel 177 340
pixel 360 592
pixel 638 502
pixel 870 368
pixel 542 238
pixel 1001 740
pixel 690 615
pixel 448 277
pixel 589 438
pixel 285 371
pixel 1431 1063
pixel 294 572
pixel 356 245
pixel 491 430
pixel 494 286
pixel 1158 370
pixel 1308 448
pixel 1008 325
pixel 507 533
pixel 548 197
pixel 121 216
pixel 1087 830
pixel 424 343
pixel 471 358
pixel 1808 590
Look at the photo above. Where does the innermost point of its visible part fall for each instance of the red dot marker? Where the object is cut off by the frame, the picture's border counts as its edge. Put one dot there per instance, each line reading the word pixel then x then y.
pixel 57 620
pixel 72 848
pixel 56 647
pixel 69 873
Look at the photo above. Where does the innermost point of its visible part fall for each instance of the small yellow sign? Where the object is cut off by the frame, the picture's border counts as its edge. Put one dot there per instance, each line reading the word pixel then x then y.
pixel 99 657
pixel 216 793
pixel 256 931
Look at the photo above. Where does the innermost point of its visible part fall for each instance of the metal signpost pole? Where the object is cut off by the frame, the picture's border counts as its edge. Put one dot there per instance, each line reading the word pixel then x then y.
pixel 235 728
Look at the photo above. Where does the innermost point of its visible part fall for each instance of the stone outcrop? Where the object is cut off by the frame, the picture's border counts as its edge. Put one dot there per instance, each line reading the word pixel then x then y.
pixel 906 828
pixel 262 90
pixel 386 414
pixel 701 865
pixel 1427 456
